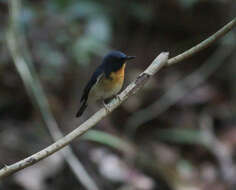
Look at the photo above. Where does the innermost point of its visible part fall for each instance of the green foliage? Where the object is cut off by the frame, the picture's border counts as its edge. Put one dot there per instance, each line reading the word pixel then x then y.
pixel 181 136
pixel 107 139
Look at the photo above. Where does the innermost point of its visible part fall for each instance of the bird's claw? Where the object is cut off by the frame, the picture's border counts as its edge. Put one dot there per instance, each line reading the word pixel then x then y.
pixel 106 107
pixel 119 98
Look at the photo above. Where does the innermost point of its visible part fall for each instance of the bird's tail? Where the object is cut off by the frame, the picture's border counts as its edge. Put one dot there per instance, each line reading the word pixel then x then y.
pixel 81 109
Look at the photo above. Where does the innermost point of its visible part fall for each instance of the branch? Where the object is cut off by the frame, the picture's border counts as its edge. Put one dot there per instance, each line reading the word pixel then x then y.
pixel 25 68
pixel 130 90
pixel 179 89
pixel 204 44
pixel 156 65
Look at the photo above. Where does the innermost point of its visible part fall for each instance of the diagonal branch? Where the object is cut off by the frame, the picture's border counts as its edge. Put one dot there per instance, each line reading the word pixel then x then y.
pixel 156 65
pixel 130 90
pixel 28 74
pixel 203 45
pixel 179 89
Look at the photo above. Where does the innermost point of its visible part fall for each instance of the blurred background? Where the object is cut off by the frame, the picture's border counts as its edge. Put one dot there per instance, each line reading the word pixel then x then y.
pixel 177 133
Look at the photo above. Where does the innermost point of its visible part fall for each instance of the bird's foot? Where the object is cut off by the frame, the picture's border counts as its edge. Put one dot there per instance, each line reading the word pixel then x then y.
pixel 106 107
pixel 118 97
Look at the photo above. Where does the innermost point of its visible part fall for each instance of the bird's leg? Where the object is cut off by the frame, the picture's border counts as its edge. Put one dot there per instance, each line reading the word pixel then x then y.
pixel 118 97
pixel 107 101
pixel 106 106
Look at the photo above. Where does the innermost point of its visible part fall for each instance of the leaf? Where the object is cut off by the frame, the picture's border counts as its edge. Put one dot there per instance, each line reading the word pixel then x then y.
pixel 181 136
pixel 107 139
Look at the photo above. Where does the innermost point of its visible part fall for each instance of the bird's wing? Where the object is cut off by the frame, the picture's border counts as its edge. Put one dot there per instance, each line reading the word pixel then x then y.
pixel 97 75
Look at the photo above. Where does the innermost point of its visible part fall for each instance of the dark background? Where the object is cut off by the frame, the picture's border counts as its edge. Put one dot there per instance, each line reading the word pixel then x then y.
pixel 186 143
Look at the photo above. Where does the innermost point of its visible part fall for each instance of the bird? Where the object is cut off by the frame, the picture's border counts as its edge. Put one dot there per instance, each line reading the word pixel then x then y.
pixel 106 81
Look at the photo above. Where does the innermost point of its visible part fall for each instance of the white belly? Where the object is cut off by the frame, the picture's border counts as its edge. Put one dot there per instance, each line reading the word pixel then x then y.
pixel 106 88
pixel 98 92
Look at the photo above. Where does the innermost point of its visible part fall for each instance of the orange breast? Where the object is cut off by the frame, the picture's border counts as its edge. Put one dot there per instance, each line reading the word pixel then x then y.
pixel 106 88
pixel 112 86
pixel 118 76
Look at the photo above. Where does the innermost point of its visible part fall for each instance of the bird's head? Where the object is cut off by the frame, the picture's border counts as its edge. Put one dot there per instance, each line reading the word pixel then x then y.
pixel 114 60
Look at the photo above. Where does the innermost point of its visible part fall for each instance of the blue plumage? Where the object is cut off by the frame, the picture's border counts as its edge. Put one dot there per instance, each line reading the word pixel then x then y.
pixel 112 62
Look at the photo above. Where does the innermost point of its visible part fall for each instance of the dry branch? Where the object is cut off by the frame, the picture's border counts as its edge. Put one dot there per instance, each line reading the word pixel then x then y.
pixel 157 64
pixel 26 70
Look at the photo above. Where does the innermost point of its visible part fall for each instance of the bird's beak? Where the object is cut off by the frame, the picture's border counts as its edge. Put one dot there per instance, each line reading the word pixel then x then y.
pixel 130 57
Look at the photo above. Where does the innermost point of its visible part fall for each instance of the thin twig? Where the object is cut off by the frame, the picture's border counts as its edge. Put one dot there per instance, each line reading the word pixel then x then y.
pixel 204 44
pixel 26 70
pixel 180 89
pixel 94 119
pixel 160 61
